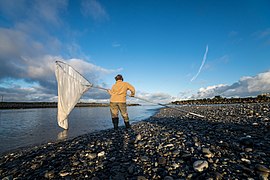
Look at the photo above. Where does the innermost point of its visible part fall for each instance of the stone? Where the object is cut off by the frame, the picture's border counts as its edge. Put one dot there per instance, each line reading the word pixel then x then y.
pixel 49 175
pixel 63 174
pixel 141 178
pixel 131 169
pixel 246 160
pixel 246 141
pixel 101 154
pixel 206 151
pixel 200 165
pixel 95 178
pixel 176 152
pixel 162 161
pixel 144 158
pixel 138 138
pixel 8 178
pixel 262 168
pixel 92 155
pixel 169 145
pixel 263 175
pixel 248 149
pixel 34 166
pixel 168 178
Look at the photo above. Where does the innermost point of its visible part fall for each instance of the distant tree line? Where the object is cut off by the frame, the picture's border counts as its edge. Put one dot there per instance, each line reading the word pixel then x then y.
pixel 26 105
pixel 223 100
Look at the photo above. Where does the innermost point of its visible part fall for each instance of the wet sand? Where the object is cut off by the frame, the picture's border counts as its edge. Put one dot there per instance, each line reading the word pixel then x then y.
pixel 230 142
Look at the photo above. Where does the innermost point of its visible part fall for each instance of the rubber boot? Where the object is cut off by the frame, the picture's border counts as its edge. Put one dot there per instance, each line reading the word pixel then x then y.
pixel 115 122
pixel 127 124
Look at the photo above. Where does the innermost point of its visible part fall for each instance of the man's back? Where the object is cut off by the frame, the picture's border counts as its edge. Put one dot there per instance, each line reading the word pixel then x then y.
pixel 119 91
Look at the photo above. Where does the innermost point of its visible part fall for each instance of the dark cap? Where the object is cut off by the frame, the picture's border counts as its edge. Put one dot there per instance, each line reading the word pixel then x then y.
pixel 119 77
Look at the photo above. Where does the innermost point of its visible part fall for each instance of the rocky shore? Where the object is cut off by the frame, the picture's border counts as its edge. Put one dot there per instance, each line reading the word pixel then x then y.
pixel 230 142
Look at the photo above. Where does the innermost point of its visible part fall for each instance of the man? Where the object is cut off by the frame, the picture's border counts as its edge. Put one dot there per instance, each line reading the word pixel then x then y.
pixel 118 100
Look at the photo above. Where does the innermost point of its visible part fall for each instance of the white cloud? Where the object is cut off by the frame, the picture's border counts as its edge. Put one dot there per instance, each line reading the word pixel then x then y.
pixel 245 87
pixel 13 10
pixel 91 71
pixel 263 35
pixel 28 48
pixel 233 33
pixel 209 91
pixel 17 93
pixel 40 72
pixel 93 9
pixel 85 67
pixel 15 43
pixel 152 98
pixel 50 10
pixel 95 95
pixel 183 95
pixel 40 12
pixel 116 44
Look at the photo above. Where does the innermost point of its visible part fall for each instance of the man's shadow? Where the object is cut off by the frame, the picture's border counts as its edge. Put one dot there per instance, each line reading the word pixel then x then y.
pixel 119 162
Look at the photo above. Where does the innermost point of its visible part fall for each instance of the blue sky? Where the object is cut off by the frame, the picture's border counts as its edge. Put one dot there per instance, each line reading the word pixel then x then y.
pixel 169 50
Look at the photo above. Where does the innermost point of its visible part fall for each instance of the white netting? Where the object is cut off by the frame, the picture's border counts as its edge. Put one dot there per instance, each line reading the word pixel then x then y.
pixel 71 86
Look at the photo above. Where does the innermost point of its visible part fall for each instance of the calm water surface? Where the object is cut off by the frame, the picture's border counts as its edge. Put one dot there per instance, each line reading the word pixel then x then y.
pixel 28 127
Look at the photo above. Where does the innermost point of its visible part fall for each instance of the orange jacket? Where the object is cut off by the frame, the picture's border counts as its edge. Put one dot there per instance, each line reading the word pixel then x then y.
pixel 119 91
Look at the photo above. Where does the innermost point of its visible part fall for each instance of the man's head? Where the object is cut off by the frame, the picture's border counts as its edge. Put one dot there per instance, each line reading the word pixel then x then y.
pixel 119 77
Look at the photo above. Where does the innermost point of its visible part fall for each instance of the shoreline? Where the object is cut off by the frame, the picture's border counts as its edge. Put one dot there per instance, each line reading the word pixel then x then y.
pixel 230 142
pixel 32 105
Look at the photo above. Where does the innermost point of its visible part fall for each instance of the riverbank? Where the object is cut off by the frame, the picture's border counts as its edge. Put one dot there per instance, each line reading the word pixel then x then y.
pixel 230 142
pixel 30 105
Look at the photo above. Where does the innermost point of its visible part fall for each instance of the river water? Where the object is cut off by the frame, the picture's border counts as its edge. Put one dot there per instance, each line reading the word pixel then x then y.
pixel 27 127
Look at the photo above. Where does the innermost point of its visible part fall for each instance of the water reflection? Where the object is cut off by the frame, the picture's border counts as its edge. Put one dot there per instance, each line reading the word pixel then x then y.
pixel 25 127
pixel 62 135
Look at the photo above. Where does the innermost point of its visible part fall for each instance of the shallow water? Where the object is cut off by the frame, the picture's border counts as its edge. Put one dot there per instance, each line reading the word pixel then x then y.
pixel 27 127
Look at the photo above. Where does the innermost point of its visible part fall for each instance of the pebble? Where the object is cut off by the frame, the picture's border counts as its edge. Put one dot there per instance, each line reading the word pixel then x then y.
pixel 49 175
pixel 141 178
pixel 248 149
pixel 262 168
pixel 92 155
pixel 231 142
pixel 246 160
pixel 100 154
pixel 63 174
pixel 168 178
pixel 263 175
pixel 144 158
pixel 138 138
pixel 162 161
pixel 207 153
pixel 200 165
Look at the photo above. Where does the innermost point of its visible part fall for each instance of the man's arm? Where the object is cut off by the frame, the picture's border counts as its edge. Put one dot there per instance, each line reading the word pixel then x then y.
pixel 132 90
pixel 109 91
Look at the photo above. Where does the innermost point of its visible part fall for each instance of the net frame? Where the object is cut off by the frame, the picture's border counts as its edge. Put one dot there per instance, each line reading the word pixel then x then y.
pixel 71 86
pixel 61 62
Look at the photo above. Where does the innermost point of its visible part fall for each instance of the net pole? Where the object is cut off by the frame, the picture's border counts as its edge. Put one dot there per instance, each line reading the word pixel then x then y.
pixel 105 89
pixel 164 105
pixel 167 106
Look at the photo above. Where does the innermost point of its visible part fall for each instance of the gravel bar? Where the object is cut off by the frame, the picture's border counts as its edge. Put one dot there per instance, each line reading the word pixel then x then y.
pixel 229 142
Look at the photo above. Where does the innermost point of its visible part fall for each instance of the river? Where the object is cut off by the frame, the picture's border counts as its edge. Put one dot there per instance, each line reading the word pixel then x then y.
pixel 28 127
